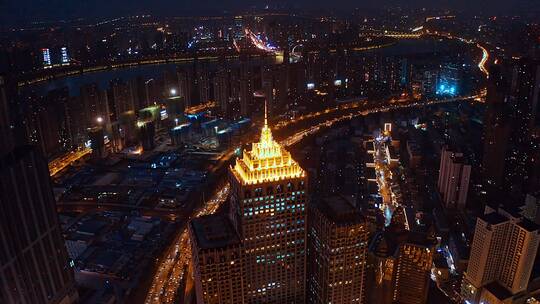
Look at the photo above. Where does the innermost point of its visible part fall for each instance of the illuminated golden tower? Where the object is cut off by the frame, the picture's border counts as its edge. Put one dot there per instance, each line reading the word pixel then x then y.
pixel 267 161
pixel 269 210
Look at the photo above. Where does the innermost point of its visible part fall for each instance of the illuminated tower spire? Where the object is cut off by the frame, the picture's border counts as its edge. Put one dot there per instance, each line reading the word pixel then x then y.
pixel 268 189
pixel 265 113
pixel 267 160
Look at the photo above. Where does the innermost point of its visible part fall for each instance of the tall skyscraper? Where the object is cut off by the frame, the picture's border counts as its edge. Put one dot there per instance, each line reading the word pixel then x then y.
pixel 512 124
pixel 503 252
pixel 414 261
pixel 454 175
pixel 401 269
pixel 269 210
pixel 337 255
pixel 34 265
pixel 217 260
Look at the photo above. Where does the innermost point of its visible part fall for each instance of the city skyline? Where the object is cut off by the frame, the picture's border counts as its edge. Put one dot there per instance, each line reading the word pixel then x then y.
pixel 36 10
pixel 286 152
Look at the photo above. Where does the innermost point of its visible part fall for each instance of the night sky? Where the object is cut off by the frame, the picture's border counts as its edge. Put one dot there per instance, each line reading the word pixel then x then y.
pixel 29 10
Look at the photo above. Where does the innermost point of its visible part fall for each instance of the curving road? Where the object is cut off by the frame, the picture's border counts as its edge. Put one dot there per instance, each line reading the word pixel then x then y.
pixel 170 271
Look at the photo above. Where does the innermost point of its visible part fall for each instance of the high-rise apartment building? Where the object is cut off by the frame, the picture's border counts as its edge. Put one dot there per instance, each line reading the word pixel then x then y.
pixel 337 255
pixel 221 91
pixel 269 210
pixel 454 175
pixel 185 87
pixel 217 260
pixel 503 252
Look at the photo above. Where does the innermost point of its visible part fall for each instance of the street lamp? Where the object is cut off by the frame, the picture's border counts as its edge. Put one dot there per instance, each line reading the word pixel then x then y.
pixel 99 119
pixel 172 92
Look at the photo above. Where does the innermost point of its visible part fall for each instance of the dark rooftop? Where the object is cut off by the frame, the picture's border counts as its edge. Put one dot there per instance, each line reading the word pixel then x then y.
pixel 370 173
pixel 499 291
pixel 493 218
pixel 528 225
pixel 339 210
pixel 214 231
pixel 420 239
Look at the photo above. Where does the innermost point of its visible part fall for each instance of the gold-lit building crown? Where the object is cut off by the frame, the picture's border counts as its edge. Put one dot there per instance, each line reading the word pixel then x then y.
pixel 267 161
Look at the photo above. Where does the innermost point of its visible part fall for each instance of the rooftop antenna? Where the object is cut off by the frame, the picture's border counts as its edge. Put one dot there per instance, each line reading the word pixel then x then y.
pixel 265 114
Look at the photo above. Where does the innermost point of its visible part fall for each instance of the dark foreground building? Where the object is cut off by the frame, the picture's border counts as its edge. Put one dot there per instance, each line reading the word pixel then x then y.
pixel 34 266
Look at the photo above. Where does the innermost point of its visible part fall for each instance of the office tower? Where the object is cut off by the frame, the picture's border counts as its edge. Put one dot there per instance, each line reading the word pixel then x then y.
pixel 503 252
pixel 337 256
pixel 269 211
pixel 401 265
pixel 33 259
pixel 414 261
pixel 217 260
pixel 454 175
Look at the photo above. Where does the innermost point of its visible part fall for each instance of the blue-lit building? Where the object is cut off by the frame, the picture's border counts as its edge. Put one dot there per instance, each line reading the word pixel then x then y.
pixel 449 80
pixel 46 57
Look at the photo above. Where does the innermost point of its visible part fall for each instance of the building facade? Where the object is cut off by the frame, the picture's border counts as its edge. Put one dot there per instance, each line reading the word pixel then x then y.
pixel 454 176
pixel 34 266
pixel 217 260
pixel 503 252
pixel 269 197
pixel 337 255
